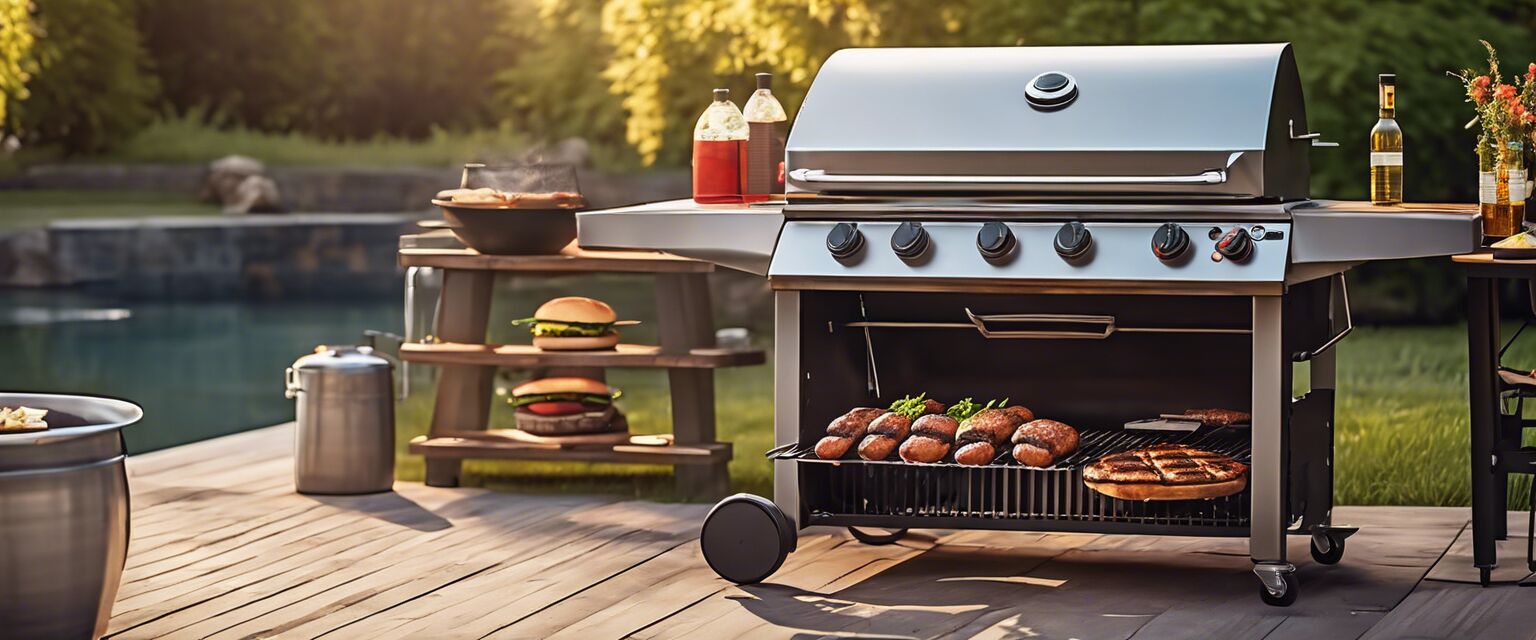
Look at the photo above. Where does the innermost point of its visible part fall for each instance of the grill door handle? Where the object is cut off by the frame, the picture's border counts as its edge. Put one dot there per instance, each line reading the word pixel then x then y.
pixel 1211 176
pixel 1106 325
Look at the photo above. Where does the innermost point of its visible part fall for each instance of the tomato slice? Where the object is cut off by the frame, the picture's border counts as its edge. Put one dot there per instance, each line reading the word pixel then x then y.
pixel 555 408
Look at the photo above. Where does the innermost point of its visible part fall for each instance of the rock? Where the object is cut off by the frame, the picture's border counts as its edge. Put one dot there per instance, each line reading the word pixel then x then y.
pixel 239 185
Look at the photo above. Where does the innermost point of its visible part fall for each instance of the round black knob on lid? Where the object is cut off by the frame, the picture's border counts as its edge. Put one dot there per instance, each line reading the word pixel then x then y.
pixel 995 240
pixel 1051 90
pixel 844 240
pixel 1073 240
pixel 1235 245
pixel 909 240
pixel 1169 242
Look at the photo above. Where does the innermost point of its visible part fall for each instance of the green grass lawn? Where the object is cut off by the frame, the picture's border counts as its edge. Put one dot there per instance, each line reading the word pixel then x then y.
pixel 1401 420
pixel 23 208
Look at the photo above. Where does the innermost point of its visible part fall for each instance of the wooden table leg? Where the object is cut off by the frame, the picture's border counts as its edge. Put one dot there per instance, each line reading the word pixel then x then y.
pixel 463 391
pixel 683 310
pixel 1482 351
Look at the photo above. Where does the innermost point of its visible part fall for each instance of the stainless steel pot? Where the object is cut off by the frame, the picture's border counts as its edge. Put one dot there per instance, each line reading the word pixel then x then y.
pixel 345 440
pixel 63 517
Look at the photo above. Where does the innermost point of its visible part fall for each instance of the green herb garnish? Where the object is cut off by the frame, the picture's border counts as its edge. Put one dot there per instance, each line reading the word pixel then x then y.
pixel 909 406
pixel 966 408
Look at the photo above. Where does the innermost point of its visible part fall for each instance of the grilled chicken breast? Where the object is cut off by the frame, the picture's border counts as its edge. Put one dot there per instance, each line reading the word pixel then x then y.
pixel 1166 472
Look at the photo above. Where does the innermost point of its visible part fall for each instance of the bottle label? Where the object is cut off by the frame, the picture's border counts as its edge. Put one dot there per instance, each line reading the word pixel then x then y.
pixel 1487 188
pixel 1517 185
pixel 1386 158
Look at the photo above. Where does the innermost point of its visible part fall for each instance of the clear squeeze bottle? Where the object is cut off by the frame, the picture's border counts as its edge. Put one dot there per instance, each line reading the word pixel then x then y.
pixel 719 152
pixel 764 177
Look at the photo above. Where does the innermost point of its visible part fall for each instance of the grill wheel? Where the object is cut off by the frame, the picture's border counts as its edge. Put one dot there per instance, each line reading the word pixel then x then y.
pixel 746 538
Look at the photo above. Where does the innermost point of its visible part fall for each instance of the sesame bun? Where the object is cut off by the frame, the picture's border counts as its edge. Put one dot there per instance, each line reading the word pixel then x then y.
pixel 576 309
pixel 577 343
pixel 561 385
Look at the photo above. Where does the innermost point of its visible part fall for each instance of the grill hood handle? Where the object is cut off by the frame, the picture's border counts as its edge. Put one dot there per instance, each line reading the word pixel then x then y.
pixel 1106 325
pixel 1210 176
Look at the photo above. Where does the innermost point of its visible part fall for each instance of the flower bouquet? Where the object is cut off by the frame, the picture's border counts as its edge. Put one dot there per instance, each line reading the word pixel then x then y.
pixel 1506 115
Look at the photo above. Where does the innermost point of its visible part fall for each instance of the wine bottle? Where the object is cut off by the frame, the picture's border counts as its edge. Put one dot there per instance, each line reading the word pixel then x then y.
pixel 719 152
pixel 764 176
pixel 1387 146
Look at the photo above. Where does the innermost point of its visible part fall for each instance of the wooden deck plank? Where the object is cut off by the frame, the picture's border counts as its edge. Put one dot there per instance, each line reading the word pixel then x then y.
pixel 527 585
pixel 336 611
pixel 411 553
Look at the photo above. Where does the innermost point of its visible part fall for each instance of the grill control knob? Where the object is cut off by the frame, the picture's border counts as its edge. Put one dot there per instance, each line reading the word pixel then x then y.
pixel 995 240
pixel 1073 240
pixel 844 240
pixel 1234 245
pixel 1170 242
pixel 910 240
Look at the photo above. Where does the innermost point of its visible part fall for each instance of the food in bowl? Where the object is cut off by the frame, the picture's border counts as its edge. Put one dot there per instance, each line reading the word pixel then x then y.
pixel 22 419
pixel 488 197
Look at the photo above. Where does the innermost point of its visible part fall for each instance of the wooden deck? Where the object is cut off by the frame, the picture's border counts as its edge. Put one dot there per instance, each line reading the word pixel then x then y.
pixel 222 547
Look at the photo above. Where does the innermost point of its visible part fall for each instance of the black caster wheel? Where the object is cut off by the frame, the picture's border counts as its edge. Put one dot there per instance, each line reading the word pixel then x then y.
pixel 1284 599
pixel 1333 554
pixel 746 538
pixel 889 537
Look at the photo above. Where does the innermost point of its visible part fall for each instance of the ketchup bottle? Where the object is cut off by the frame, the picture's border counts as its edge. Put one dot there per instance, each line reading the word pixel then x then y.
pixel 719 152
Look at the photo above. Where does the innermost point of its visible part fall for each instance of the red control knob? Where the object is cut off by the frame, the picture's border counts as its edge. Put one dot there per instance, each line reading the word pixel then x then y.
pixel 1234 245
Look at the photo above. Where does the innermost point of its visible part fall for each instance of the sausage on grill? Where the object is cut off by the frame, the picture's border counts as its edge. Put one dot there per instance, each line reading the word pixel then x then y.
pixel 1040 443
pixel 885 433
pixel 844 431
pixel 980 435
pixel 931 438
pixel 891 429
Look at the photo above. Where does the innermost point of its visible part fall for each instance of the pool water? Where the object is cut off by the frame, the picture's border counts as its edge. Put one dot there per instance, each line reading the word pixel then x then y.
pixel 200 369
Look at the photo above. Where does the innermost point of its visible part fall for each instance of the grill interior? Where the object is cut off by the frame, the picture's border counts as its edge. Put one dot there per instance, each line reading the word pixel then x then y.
pixel 1007 495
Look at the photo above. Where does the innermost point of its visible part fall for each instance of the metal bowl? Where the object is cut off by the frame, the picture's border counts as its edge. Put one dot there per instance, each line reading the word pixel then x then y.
pixel 509 231
pixel 64 498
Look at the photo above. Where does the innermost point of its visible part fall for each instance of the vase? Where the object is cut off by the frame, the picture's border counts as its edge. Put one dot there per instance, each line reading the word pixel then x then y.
pixel 1501 188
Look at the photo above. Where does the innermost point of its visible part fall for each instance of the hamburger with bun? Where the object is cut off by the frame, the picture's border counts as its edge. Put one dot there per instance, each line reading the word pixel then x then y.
pixel 566 406
pixel 573 323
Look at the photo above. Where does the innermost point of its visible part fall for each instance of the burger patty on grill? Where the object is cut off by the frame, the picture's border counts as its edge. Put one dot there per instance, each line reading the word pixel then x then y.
pixel 1171 464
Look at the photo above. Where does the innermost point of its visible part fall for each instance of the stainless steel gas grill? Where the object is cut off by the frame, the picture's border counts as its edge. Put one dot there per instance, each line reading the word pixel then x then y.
pixel 1102 234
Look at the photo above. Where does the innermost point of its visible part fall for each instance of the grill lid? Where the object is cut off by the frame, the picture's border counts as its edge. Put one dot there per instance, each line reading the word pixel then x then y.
pixel 1220 121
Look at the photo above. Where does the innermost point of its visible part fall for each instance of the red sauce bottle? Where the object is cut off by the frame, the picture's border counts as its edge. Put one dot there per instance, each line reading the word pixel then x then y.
pixel 719 152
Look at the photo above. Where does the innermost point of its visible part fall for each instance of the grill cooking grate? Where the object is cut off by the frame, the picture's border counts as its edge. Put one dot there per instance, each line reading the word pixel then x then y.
pixel 901 494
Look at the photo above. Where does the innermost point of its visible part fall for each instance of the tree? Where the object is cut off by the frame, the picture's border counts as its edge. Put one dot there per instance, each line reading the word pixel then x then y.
pixel 551 85
pixel 93 86
pixel 17 64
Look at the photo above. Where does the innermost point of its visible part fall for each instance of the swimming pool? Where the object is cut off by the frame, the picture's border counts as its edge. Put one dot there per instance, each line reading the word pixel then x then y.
pixel 200 369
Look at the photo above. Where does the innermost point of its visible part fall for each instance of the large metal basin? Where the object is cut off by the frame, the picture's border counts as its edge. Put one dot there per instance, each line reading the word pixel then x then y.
pixel 63 517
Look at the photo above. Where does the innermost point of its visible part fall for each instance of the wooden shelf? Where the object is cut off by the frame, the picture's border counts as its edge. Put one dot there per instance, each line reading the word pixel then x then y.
pixel 494 448
pixel 570 259
pixel 625 355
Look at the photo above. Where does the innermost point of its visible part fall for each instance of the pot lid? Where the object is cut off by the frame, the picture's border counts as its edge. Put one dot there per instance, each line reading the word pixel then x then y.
pixel 328 357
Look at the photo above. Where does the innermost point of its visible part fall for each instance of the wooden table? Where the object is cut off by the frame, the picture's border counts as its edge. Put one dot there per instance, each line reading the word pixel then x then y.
pixel 1496 450
pixel 464 391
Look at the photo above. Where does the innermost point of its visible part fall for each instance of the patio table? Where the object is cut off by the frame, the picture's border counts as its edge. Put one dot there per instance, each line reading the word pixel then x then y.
pixel 1496 448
